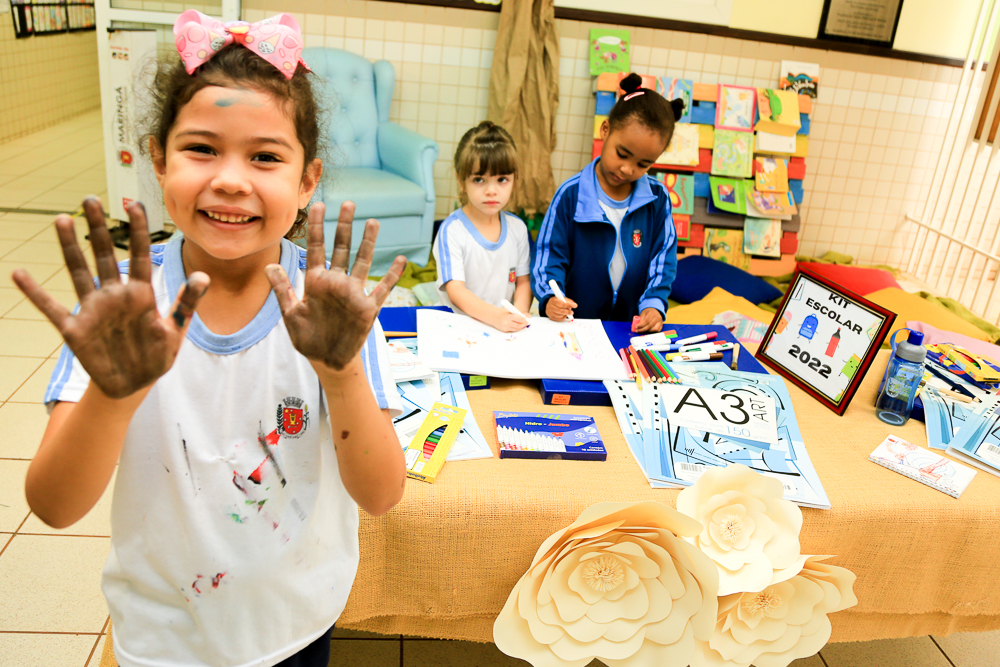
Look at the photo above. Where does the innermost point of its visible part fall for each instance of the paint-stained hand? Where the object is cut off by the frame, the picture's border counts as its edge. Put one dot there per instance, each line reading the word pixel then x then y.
pixel 117 334
pixel 650 321
pixel 332 320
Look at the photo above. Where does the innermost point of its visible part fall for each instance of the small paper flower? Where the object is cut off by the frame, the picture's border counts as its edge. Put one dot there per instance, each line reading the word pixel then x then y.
pixel 781 623
pixel 748 529
pixel 617 584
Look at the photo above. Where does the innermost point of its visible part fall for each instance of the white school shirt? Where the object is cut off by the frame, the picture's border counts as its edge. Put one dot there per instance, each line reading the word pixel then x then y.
pixel 615 210
pixel 488 269
pixel 233 539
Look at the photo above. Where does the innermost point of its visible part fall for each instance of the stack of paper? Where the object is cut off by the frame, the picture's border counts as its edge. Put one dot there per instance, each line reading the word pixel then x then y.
pixel 672 452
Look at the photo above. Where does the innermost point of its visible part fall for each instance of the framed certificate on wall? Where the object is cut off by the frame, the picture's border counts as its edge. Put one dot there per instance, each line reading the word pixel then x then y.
pixel 862 21
pixel 823 338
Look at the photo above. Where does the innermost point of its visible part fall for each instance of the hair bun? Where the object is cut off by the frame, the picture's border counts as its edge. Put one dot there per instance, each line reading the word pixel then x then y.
pixel 678 107
pixel 631 83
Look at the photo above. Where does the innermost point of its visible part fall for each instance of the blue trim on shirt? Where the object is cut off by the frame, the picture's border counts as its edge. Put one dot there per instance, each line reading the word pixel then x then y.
pixel 262 323
pixel 445 251
pixel 478 236
pixel 373 369
pixel 60 376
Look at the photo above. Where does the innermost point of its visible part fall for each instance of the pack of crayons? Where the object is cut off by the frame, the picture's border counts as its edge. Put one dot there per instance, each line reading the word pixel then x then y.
pixel 531 435
pixel 979 368
pixel 429 448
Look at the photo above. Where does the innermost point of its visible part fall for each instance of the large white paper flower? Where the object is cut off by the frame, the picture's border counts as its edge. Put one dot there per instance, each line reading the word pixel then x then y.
pixel 748 529
pixel 618 585
pixel 781 623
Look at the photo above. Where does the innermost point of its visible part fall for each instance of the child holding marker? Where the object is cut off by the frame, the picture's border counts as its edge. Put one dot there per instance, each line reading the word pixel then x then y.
pixel 481 250
pixel 240 385
pixel 608 240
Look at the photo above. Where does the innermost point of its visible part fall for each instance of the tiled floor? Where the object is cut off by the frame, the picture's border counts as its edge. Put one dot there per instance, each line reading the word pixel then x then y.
pixel 53 613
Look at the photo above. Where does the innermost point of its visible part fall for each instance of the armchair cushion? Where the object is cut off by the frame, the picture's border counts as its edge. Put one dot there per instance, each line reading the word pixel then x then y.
pixel 408 154
pixel 377 194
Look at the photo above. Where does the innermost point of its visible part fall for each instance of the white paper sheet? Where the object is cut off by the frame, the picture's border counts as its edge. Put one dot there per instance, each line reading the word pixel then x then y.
pixel 578 350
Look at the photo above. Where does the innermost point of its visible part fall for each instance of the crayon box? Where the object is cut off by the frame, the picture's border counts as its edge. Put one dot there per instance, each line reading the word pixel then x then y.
pixel 532 435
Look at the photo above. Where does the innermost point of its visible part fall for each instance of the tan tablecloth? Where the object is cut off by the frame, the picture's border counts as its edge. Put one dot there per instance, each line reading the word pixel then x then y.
pixel 443 561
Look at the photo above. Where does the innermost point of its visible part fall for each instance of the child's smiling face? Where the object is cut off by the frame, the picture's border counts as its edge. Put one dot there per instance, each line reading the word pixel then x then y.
pixel 626 156
pixel 232 173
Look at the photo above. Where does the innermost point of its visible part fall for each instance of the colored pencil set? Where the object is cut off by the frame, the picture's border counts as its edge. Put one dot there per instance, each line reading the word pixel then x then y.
pixel 515 438
pixel 531 435
pixel 428 450
pixel 647 365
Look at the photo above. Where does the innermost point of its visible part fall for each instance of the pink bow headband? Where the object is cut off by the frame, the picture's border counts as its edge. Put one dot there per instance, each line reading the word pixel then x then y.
pixel 277 39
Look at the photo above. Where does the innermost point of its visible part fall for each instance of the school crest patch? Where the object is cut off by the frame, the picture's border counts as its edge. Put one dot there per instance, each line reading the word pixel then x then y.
pixel 512 276
pixel 636 238
pixel 293 417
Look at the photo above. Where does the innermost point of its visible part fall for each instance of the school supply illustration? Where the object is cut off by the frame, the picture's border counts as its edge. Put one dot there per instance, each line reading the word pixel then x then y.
pixel 531 435
pixel 922 465
pixel 429 448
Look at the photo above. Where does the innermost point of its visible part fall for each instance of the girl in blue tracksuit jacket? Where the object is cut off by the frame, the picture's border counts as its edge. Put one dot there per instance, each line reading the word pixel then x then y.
pixel 608 237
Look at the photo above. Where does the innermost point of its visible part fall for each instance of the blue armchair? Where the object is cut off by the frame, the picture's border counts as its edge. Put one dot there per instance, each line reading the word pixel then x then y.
pixel 384 168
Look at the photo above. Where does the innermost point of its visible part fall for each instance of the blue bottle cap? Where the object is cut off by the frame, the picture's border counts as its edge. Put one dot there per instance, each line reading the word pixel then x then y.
pixel 915 338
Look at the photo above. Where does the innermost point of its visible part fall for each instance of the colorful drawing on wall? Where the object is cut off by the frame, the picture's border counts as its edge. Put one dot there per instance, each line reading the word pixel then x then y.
pixel 762 236
pixel 671 89
pixel 683 147
pixel 609 51
pixel 803 78
pixel 772 174
pixel 681 190
pixel 734 109
pixel 732 154
pixel 726 245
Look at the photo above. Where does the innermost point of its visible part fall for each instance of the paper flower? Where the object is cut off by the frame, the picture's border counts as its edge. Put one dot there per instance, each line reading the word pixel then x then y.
pixel 748 529
pixel 617 584
pixel 781 623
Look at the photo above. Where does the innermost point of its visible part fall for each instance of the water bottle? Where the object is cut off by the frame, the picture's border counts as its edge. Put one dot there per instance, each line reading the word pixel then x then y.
pixel 902 377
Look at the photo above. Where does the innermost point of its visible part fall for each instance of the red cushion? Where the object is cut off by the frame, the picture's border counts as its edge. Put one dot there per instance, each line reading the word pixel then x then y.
pixel 859 280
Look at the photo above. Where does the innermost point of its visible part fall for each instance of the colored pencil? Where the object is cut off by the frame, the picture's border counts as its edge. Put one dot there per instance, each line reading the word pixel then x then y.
pixel 628 369
pixel 644 366
pixel 660 371
pixel 640 367
pixel 666 366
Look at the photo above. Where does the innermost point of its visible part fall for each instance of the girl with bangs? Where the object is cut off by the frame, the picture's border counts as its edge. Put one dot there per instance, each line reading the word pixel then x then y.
pixel 481 250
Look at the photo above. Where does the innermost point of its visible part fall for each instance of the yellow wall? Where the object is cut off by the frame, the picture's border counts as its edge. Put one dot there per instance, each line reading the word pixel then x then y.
pixel 925 26
pixel 799 18
pixel 940 29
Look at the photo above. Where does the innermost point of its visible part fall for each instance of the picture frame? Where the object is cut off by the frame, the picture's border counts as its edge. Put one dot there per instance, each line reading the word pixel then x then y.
pixel 824 338
pixel 870 22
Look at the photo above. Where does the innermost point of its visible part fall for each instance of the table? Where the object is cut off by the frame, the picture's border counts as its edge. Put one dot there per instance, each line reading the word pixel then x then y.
pixel 443 561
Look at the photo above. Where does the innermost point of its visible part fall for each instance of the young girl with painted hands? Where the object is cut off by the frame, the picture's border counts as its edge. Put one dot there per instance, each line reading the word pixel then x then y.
pixel 481 250
pixel 608 238
pixel 240 385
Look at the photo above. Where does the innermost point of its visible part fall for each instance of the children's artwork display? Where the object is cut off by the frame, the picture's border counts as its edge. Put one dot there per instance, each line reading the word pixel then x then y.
pixel 824 338
pixel 683 147
pixel 671 89
pixel 671 455
pixel 732 154
pixel 681 190
pixel 762 237
pixel 577 350
pixel 735 108
pixel 726 245
pixel 609 51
